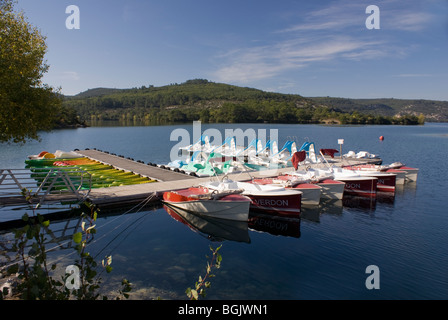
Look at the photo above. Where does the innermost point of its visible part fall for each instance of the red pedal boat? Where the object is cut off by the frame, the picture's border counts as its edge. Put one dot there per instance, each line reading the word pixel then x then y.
pixel 229 205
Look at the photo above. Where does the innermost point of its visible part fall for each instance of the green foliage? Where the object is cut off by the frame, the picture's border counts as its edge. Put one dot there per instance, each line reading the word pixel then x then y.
pixel 89 280
pixel 203 283
pixel 36 281
pixel 211 102
pixel 196 99
pixel 26 104
pixel 431 110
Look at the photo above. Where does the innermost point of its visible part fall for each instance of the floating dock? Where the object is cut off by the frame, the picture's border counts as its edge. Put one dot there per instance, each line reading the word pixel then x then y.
pixel 166 180
pixel 125 164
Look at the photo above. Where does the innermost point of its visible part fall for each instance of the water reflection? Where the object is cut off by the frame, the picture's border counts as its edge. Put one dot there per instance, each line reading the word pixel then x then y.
pixel 57 239
pixel 364 203
pixel 212 228
pixel 127 123
pixel 274 225
pixel 409 189
pixel 326 206
pixel 369 203
pixel 220 229
pixel 385 197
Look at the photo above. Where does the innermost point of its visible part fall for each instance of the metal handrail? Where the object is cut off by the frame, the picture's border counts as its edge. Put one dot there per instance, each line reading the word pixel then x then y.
pixel 77 182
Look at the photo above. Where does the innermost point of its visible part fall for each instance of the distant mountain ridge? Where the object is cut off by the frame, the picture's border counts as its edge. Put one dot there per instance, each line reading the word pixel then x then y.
pixel 95 92
pixel 433 110
pixel 218 102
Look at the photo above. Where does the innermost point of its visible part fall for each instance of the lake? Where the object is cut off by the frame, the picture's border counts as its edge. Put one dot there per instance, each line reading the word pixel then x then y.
pixel 322 256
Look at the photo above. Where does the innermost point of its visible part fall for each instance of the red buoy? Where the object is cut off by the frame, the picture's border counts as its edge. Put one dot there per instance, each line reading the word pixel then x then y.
pixel 381 138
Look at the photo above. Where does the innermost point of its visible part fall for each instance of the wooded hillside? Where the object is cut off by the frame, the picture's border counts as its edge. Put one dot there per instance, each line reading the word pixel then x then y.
pixel 433 110
pixel 207 101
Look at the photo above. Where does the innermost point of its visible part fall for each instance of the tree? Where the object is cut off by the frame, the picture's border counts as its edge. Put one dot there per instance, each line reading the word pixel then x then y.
pixel 27 106
pixel 421 118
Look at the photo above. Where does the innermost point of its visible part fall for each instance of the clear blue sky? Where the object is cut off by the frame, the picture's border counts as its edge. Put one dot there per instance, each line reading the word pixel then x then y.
pixel 312 48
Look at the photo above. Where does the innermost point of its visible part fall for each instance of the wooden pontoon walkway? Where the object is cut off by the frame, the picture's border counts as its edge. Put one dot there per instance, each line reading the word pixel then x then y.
pixel 167 180
pixel 153 191
pixel 142 169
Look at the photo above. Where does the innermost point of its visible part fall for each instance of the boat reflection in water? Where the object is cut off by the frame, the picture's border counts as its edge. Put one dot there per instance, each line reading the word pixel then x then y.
pixel 356 202
pixel 385 197
pixel 214 229
pixel 326 206
pixel 274 224
pixel 368 203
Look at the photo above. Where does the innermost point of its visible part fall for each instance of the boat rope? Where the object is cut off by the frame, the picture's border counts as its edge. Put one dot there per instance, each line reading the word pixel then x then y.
pixel 140 206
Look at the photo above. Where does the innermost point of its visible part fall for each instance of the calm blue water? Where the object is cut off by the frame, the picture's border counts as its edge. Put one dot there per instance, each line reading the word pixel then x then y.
pixel 325 257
